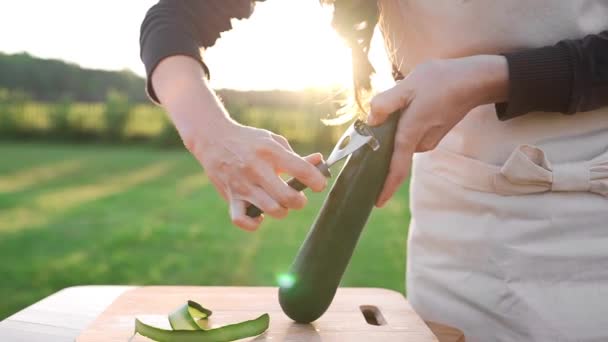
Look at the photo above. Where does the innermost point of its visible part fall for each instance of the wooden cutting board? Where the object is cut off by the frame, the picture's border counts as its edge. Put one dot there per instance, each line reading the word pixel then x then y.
pixel 343 321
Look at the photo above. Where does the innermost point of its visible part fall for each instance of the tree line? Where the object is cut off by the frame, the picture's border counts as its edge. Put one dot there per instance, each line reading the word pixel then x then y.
pixel 52 99
pixel 51 80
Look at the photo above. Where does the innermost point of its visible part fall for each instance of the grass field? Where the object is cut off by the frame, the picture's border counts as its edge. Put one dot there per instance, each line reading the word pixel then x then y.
pixel 91 214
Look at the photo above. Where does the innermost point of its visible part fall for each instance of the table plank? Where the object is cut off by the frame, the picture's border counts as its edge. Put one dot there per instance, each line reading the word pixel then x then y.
pixel 15 331
pixel 60 317
pixel 71 307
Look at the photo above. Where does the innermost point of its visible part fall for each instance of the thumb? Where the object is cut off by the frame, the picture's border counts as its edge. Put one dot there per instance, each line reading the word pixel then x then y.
pixel 240 219
pixel 383 104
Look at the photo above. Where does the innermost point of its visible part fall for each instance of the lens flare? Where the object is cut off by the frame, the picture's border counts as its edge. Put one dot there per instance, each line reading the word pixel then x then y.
pixel 286 280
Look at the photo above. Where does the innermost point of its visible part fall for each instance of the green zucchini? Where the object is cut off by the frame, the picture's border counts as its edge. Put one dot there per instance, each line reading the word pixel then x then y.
pixel 316 272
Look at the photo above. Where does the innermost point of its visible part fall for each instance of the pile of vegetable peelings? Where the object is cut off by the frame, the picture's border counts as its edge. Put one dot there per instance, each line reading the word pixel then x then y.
pixel 189 321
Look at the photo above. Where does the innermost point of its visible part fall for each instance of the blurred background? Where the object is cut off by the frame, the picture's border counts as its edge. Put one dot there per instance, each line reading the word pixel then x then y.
pixel 95 185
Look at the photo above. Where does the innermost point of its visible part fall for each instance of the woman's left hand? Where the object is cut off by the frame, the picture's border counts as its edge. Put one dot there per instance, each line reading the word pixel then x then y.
pixel 433 98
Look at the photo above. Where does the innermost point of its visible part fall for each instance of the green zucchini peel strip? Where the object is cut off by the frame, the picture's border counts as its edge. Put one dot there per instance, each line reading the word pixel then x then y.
pixel 189 323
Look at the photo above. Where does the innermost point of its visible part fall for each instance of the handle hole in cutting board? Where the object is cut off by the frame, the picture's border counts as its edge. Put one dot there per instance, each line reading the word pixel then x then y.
pixel 372 315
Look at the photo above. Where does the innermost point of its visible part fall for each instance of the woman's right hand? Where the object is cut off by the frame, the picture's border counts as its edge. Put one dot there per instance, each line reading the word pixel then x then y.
pixel 244 165
pixel 242 162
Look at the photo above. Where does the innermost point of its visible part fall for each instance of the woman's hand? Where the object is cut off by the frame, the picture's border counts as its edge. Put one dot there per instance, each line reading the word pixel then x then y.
pixel 242 162
pixel 433 98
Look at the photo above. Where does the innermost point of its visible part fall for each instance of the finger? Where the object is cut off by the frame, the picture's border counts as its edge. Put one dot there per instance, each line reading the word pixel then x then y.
pixel 389 101
pixel 239 217
pixel 282 141
pixel 301 169
pixel 398 173
pixel 280 192
pixel 406 141
pixel 314 158
pixel 270 206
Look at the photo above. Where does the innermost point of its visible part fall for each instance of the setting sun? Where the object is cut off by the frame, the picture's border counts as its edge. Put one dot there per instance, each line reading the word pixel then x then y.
pixel 286 45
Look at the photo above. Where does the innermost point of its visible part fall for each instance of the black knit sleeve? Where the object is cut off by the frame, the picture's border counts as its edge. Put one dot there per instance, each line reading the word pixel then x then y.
pixel 183 27
pixel 569 77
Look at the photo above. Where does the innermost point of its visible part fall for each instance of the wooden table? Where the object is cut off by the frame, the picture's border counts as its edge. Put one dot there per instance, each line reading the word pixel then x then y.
pixel 64 315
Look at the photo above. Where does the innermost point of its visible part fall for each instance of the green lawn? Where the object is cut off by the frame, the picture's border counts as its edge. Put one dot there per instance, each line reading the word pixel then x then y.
pixel 74 214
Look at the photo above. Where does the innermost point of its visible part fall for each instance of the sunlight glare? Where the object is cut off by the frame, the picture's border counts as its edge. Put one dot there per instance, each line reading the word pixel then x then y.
pixel 288 45
pixel 285 44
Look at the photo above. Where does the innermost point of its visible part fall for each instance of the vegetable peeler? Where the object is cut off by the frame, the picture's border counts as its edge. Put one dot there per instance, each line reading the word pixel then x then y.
pixel 356 136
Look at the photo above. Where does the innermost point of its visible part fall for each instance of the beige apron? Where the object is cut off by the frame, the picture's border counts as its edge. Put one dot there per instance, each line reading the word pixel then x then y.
pixel 509 236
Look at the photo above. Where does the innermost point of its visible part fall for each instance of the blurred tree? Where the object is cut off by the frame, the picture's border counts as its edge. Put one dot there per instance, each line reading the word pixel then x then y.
pixel 117 109
pixel 60 117
pixel 12 103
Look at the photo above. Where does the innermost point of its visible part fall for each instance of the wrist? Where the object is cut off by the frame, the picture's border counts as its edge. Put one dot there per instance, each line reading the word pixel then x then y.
pixel 488 78
pixel 193 107
pixel 201 121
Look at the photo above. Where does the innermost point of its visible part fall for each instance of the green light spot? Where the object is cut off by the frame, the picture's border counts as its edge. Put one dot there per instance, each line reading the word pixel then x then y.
pixel 286 280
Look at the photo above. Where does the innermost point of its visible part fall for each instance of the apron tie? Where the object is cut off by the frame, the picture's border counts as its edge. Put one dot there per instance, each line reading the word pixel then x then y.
pixel 526 171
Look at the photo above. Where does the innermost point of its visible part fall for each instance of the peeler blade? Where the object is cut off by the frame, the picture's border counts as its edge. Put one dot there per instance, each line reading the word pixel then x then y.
pixel 355 137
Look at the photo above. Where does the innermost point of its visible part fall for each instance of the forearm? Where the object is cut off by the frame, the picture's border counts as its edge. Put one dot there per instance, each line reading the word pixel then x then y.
pixel 195 110
pixel 569 77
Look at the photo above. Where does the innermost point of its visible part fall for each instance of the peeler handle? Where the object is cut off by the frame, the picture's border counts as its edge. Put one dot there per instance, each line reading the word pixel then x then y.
pixel 253 211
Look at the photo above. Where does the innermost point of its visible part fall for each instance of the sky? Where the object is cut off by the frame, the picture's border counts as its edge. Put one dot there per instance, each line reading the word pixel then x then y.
pixel 286 44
